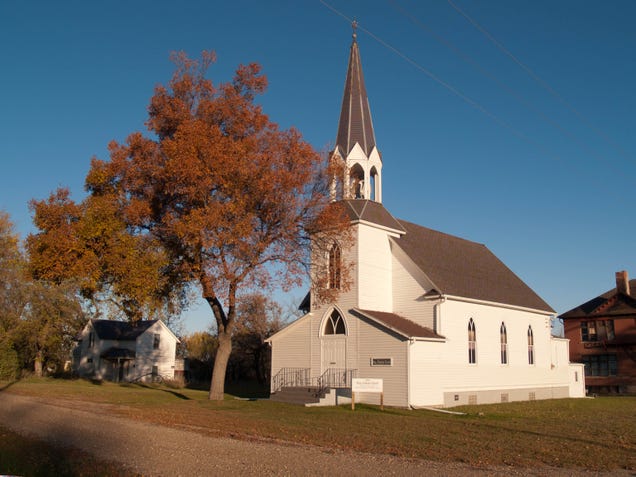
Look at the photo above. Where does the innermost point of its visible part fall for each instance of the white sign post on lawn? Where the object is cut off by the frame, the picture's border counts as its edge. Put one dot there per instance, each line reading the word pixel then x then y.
pixel 366 385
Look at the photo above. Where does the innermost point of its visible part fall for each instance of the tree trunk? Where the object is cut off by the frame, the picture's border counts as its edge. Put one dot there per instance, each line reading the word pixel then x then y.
pixel 37 368
pixel 217 386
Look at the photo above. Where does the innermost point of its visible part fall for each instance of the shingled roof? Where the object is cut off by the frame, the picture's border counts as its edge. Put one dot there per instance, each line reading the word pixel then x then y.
pixel 355 124
pixel 372 212
pixel 398 324
pixel 610 303
pixel 462 268
pixel 120 330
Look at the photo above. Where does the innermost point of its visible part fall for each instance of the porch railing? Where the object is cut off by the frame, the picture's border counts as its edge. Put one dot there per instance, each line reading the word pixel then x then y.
pixel 337 378
pixel 290 377
pixel 331 378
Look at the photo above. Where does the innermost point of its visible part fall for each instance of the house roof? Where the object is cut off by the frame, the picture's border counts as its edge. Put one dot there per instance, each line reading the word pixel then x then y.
pixel 462 268
pixel 121 330
pixel 398 324
pixel 355 124
pixel 373 212
pixel 610 303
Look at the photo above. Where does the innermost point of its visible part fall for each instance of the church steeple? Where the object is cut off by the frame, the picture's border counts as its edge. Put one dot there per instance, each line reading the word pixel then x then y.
pixel 355 141
pixel 355 125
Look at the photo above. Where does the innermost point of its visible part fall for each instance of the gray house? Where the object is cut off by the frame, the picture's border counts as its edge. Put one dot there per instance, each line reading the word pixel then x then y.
pixel 122 352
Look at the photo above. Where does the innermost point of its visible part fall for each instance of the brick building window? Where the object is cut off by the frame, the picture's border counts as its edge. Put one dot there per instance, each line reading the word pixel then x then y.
pixel 599 330
pixel 600 365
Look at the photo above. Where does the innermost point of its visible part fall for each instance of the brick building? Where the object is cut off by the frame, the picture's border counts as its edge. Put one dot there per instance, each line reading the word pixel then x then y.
pixel 602 334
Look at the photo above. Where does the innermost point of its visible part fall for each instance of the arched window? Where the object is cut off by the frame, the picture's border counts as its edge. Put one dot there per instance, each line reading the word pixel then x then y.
pixel 530 346
pixel 503 338
pixel 472 341
pixel 335 324
pixel 334 266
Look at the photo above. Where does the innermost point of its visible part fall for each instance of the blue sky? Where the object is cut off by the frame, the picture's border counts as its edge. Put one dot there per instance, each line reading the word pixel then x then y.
pixel 542 172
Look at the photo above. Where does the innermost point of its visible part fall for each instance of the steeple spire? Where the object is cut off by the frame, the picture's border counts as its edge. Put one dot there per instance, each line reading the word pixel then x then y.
pixel 355 143
pixel 355 124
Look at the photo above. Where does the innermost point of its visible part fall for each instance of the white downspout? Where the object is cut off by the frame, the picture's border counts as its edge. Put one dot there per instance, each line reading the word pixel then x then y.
pixel 438 316
pixel 408 372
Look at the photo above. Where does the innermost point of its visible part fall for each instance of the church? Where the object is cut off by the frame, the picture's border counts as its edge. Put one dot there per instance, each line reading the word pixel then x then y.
pixel 439 319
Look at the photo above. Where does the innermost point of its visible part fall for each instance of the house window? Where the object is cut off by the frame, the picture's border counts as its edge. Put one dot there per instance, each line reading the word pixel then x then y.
pixel 335 324
pixel 91 340
pixel 155 371
pixel 155 343
pixel 503 338
pixel 334 267
pixel 601 330
pixel 472 342
pixel 530 346
pixel 600 365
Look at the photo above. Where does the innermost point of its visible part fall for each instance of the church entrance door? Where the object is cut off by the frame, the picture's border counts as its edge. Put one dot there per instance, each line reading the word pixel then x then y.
pixel 334 352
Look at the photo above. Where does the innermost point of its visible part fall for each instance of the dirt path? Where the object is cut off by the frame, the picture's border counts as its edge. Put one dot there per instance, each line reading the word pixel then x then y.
pixel 158 450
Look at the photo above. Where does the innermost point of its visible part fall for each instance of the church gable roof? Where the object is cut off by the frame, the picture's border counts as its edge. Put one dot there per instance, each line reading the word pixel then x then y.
pixel 610 303
pixel 120 330
pixel 462 268
pixel 398 324
pixel 372 212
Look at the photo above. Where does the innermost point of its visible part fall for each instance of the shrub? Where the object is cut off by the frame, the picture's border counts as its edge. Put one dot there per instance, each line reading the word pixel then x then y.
pixel 9 364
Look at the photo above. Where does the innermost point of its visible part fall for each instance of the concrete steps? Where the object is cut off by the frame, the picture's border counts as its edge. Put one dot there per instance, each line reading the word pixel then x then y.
pixel 301 395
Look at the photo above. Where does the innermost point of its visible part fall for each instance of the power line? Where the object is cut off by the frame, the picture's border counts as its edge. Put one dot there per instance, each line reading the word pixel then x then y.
pixel 539 80
pixel 446 85
pixel 485 72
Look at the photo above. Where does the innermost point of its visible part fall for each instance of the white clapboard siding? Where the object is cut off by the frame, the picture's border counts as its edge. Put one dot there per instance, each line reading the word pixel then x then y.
pixel 291 349
pixel 448 370
pixel 409 286
pixel 163 357
pixel 374 269
pixel 427 373
pixel 375 342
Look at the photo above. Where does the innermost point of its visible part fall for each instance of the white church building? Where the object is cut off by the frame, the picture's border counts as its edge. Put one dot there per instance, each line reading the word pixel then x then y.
pixel 441 320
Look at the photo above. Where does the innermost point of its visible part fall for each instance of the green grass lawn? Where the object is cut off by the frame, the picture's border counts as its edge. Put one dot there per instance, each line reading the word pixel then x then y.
pixel 595 434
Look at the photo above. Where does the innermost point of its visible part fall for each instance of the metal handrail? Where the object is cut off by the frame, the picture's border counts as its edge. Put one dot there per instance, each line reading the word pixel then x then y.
pixel 289 377
pixel 336 378
pixel 331 378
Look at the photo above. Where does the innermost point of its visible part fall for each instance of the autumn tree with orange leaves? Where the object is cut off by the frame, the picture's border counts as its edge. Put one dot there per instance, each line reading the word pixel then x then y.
pixel 226 199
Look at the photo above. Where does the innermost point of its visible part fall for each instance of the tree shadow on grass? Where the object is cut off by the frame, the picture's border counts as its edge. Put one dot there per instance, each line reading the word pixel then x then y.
pixel 8 385
pixel 169 391
pixel 247 389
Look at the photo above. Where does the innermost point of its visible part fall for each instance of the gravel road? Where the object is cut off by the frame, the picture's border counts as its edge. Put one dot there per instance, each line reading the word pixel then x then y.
pixel 162 451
